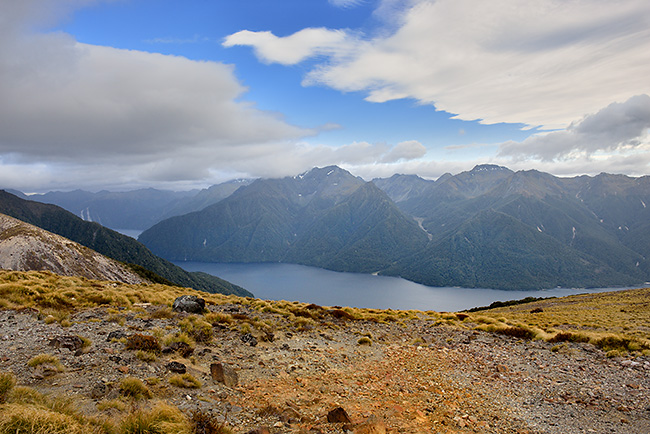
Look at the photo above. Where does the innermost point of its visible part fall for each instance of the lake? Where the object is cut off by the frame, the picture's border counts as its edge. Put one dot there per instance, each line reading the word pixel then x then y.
pixel 274 281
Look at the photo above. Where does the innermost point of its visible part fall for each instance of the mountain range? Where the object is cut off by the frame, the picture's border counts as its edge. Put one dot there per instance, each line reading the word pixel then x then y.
pixel 488 227
pixel 112 244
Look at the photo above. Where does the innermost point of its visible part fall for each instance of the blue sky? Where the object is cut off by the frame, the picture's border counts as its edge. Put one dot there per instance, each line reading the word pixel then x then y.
pixel 125 94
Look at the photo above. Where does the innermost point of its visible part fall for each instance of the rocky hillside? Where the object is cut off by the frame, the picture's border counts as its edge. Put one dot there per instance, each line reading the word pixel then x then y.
pixel 133 364
pixel 112 244
pixel 25 247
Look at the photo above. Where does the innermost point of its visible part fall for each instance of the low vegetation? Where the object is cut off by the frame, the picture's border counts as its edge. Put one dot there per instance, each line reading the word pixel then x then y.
pixel 618 323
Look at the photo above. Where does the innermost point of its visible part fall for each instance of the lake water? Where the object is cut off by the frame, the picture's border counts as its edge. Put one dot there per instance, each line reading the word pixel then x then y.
pixel 273 281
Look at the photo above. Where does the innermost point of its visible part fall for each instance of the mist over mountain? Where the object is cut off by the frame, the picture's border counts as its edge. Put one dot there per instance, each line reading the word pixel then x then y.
pixel 137 209
pixel 488 227
pixel 110 243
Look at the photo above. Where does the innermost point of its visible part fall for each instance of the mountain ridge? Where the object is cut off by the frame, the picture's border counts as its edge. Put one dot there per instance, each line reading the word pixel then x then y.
pixel 109 243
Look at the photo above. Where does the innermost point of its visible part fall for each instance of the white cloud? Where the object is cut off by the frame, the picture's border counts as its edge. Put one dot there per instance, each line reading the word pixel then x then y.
pixel 533 62
pixel 67 109
pixel 346 3
pixel 291 49
pixel 617 127
pixel 405 151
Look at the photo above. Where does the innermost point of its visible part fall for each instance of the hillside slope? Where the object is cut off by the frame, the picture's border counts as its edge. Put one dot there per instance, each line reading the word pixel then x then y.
pixel 109 243
pixel 25 247
pixel 76 362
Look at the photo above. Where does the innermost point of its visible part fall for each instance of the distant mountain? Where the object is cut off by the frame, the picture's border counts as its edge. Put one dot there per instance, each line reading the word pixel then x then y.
pixel 138 209
pixel 400 188
pixel 203 198
pixel 110 243
pixel 24 247
pixel 491 227
pixel 325 217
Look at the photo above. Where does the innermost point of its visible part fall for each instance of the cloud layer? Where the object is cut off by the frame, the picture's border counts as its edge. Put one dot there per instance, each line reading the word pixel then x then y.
pixel 539 63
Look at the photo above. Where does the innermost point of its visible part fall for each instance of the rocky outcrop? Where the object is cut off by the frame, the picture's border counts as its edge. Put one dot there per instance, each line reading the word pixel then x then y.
pixel 25 247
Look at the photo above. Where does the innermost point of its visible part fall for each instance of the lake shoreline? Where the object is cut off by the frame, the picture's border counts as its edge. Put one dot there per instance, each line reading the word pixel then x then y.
pixel 292 282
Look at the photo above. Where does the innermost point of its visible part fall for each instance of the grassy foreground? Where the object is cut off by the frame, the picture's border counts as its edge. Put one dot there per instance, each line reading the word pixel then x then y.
pixel 617 322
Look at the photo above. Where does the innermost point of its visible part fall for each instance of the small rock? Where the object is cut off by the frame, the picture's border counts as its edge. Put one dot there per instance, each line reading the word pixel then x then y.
pixel 223 373
pixel 117 335
pixel 502 368
pixel 177 367
pixel 189 304
pixel 72 343
pixel 248 338
pixel 98 390
pixel 338 415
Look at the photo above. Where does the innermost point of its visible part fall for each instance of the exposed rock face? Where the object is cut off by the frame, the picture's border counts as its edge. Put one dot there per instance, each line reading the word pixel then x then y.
pixel 189 304
pixel 223 373
pixel 24 247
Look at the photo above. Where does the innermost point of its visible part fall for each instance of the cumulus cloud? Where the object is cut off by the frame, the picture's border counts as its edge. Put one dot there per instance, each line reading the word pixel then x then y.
pixel 617 127
pixel 142 116
pixel 289 50
pixel 538 63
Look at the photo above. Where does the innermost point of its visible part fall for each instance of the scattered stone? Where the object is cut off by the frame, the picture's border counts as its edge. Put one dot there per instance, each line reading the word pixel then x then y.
pixel 537 310
pixel 260 430
pixel 99 390
pixel 117 335
pixel 249 339
pixel 189 304
pixel 502 369
pixel 338 415
pixel 176 367
pixel 223 373
pixel 72 343
pixel 373 425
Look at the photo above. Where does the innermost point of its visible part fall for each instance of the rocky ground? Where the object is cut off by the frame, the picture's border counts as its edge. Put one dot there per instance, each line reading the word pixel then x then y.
pixel 414 376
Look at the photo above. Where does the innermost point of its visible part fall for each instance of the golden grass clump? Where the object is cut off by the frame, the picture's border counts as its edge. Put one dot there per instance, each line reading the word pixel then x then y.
pixel 160 419
pixel 186 381
pixel 145 356
pixel 46 359
pixel 365 340
pixel 134 388
pixel 7 382
pixel 199 329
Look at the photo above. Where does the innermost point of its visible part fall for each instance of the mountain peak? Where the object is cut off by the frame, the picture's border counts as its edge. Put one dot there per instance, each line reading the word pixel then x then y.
pixel 489 168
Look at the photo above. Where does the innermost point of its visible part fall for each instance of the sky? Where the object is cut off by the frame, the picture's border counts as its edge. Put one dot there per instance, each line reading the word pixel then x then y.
pixel 126 94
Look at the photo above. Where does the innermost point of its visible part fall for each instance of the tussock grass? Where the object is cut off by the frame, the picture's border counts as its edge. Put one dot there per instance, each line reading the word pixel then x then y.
pixel 7 382
pixel 617 322
pixel 43 359
pixel 132 387
pixel 160 419
pixel 199 329
pixel 186 381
